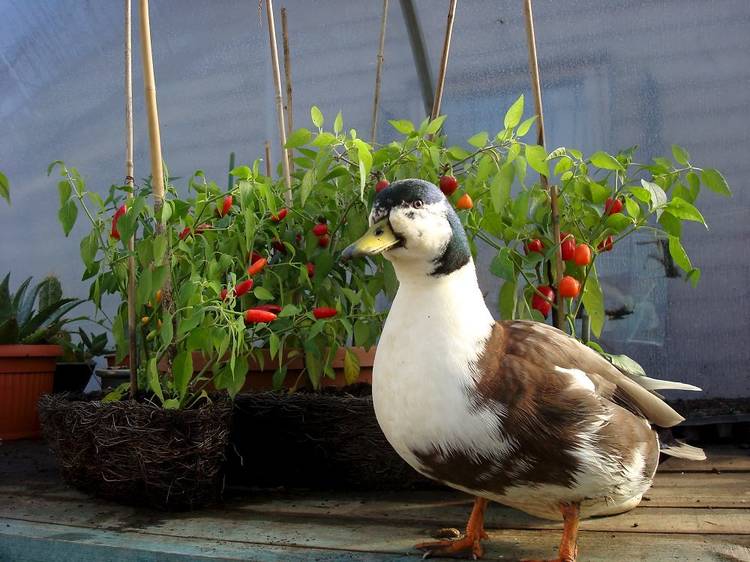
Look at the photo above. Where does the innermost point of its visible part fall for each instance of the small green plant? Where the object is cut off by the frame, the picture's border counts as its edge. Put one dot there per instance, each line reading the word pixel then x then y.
pixel 33 316
pixel 86 348
pixel 4 187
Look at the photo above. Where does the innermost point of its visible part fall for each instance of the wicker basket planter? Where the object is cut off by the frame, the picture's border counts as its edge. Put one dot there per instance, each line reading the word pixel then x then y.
pixel 137 453
pixel 26 373
pixel 323 440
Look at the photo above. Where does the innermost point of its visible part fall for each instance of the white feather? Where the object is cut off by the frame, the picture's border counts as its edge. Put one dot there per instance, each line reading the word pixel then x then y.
pixel 656 384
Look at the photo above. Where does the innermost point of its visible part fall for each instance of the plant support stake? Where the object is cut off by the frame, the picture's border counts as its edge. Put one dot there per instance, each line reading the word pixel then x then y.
pixel 157 170
pixel 378 73
pixel 129 181
pixel 279 102
pixel 444 60
pixel 537 91
pixel 287 72
pixel 269 166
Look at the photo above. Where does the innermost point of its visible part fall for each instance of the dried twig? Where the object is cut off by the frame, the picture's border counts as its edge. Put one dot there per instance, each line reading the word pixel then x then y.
pixel 279 101
pixel 537 90
pixel 378 72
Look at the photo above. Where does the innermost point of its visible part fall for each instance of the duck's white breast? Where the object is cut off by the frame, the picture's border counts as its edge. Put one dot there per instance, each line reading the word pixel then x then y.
pixel 422 374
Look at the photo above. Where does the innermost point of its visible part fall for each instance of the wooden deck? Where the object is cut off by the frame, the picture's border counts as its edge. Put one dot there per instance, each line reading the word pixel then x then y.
pixel 694 512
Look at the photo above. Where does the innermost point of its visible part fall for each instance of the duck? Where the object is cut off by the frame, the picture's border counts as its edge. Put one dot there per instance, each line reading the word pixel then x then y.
pixel 514 412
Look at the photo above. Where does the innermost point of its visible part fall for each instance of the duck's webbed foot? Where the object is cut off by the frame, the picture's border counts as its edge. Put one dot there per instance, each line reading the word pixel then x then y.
pixel 569 544
pixel 467 545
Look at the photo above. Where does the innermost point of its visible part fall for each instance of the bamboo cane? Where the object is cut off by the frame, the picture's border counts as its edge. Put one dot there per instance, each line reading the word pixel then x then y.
pixel 537 91
pixel 444 60
pixel 157 170
pixel 287 73
pixel 279 101
pixel 230 179
pixel 129 181
pixel 269 166
pixel 378 71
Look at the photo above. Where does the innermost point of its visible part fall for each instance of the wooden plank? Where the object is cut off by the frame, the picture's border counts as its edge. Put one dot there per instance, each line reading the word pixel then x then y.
pixel 237 540
pixel 720 458
pixel 699 490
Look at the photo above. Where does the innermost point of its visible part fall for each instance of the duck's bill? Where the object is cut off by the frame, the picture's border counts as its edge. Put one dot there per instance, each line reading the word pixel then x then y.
pixel 377 239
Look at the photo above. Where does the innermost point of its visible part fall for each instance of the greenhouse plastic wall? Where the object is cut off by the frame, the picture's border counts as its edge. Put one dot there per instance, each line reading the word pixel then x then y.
pixel 614 74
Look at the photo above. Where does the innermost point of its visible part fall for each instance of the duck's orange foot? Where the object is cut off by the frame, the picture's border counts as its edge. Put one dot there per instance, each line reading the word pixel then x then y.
pixel 467 546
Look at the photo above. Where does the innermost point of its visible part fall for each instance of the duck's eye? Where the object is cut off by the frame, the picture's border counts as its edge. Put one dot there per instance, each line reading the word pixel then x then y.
pixel 417 204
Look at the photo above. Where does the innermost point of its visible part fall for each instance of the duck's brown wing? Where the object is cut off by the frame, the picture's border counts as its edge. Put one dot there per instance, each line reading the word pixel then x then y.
pixel 545 349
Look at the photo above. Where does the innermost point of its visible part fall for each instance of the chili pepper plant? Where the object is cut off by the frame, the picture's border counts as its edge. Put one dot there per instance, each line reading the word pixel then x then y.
pixel 248 271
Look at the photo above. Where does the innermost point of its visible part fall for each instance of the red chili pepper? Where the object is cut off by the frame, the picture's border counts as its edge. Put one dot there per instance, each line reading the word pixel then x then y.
pixel 255 256
pixel 257 266
pixel 324 312
pixel 226 206
pixel 201 228
pixel 184 233
pixel 280 216
pixel 243 287
pixel 279 246
pixel 324 240
pixel 606 244
pixel 118 213
pixel 310 269
pixel 254 316
pixel 320 229
pixel 275 308
pixel 223 294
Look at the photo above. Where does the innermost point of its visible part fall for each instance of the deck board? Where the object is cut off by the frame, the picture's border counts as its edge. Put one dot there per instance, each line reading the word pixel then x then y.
pixel 699 515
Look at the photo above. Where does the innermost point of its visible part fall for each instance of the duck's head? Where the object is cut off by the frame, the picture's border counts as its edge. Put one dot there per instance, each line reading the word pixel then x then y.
pixel 415 227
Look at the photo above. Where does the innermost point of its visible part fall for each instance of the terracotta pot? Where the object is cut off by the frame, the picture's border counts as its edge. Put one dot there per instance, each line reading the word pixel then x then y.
pixel 26 373
pixel 260 377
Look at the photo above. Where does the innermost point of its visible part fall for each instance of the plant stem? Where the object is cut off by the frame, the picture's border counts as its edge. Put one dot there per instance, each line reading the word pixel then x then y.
pixel 129 180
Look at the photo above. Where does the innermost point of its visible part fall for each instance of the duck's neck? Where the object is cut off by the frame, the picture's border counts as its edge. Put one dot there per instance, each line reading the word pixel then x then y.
pixel 450 308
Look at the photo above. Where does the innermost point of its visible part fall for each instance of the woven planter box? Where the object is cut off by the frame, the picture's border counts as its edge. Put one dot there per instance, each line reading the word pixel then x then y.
pixel 137 453
pixel 323 440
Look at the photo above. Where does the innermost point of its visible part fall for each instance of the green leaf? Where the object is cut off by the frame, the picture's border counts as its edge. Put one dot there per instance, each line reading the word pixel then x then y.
pixel 351 366
pixel 500 187
pixel 152 374
pixel 167 329
pixel 5 187
pixel 361 333
pixel 618 222
pixel 241 172
pixel 634 210
pixel 182 371
pixel 67 215
pixel 338 123
pixel 402 126
pixel 714 181
pixel 323 139
pixel 671 224
pixel 64 189
pixel 605 161
pixel 298 138
pixel 593 300
pixel 514 113
pixel 684 210
pixel 435 125
pixel 507 300
pixel 658 196
pixel 694 276
pixel 308 181
pixel 273 344
pixel 524 127
pixel 89 248
pixel 502 265
pixel 537 158
pixel 680 155
pixel 288 310
pixel 679 255
pixel 643 195
pixel 314 368
pixel 261 293
pixel 317 116
pixel 520 209
pixel 479 140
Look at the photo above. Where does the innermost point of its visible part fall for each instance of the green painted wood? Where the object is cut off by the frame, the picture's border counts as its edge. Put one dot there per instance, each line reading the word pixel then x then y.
pixel 41 542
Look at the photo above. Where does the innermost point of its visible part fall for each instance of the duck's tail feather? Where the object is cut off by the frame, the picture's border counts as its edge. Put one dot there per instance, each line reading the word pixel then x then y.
pixel 676 448
pixel 656 384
